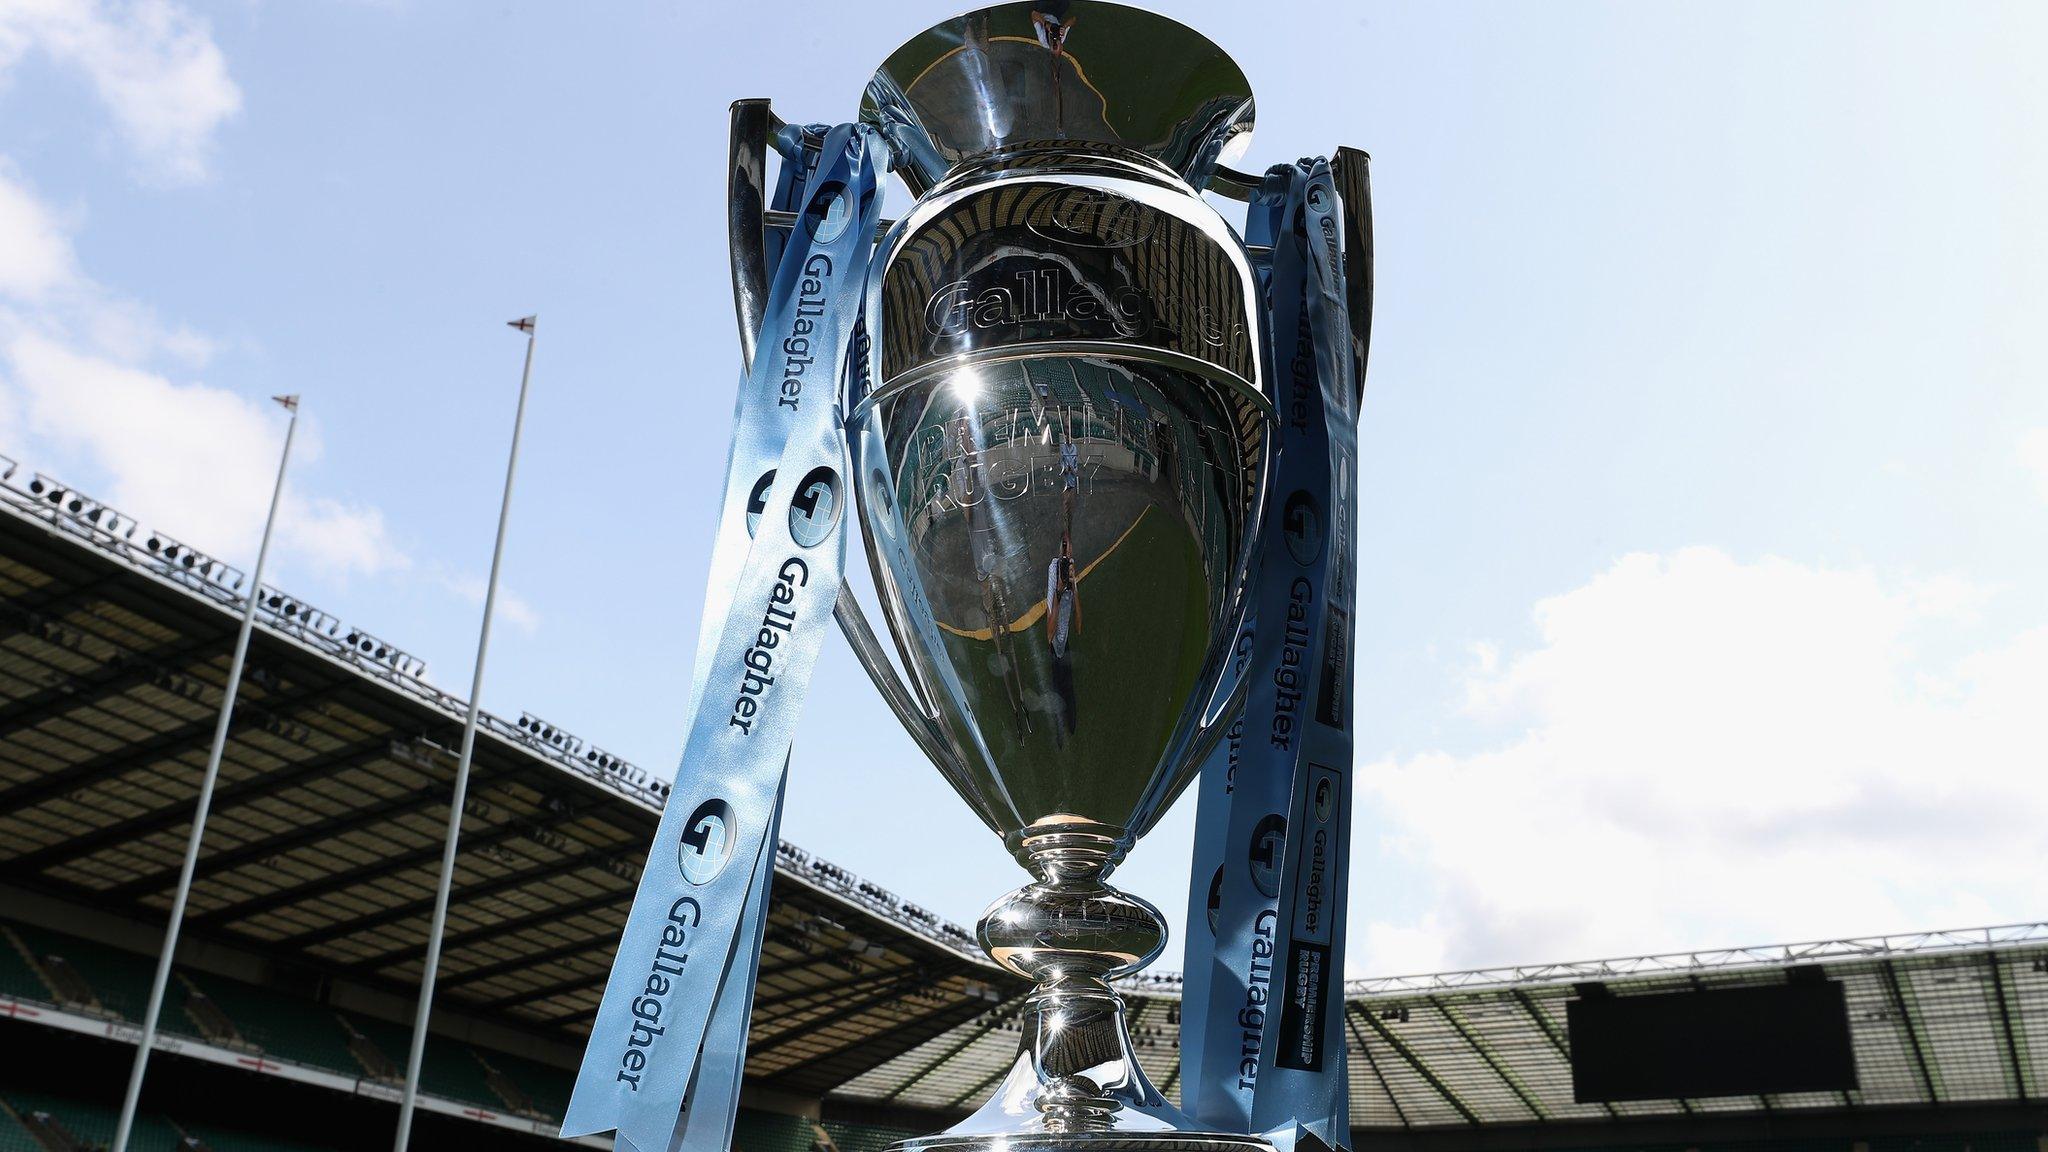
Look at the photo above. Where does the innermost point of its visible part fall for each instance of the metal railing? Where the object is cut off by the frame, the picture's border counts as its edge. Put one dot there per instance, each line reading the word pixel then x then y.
pixel 1711 960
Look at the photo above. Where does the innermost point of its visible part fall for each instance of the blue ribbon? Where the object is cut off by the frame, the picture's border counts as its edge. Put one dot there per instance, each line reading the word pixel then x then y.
pixel 665 1055
pixel 1262 1022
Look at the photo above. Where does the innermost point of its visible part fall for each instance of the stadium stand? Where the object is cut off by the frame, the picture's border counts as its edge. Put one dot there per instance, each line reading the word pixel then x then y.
pixel 874 1019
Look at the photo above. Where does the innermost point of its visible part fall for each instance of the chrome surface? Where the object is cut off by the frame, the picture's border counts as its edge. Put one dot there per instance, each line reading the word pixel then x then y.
pixel 1352 170
pixel 746 200
pixel 1059 431
pixel 1072 254
pixel 1059 475
pixel 1015 78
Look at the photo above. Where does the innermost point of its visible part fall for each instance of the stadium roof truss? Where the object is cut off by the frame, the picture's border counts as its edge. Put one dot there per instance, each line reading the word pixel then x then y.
pixel 324 844
pixel 325 838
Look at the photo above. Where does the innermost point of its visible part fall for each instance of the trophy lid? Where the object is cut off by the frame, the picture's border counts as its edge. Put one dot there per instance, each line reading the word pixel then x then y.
pixel 1070 75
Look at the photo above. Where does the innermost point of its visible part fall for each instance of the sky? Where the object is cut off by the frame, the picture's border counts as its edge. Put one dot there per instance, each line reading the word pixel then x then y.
pixel 1704 450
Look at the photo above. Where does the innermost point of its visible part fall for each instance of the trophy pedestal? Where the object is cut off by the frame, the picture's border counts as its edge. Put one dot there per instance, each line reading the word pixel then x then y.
pixel 1075 1083
pixel 1164 1141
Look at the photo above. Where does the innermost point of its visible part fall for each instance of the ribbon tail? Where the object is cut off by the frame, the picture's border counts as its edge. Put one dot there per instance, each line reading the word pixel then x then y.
pixel 711 1105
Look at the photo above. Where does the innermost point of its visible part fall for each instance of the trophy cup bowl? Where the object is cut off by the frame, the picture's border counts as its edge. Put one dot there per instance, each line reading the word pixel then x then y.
pixel 1058 431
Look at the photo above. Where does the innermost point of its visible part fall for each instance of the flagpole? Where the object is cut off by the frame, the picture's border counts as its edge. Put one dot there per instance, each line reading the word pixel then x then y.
pixel 206 781
pixel 462 763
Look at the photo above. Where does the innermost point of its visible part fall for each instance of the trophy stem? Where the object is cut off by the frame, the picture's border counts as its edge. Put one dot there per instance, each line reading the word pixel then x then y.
pixel 1072 933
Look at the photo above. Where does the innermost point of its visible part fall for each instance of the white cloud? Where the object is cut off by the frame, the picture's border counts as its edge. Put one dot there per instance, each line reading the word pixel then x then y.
pixel 192 459
pixel 43 289
pixel 1402 949
pixel 2034 458
pixel 78 396
pixel 1702 752
pixel 152 63
pixel 36 259
pixel 511 605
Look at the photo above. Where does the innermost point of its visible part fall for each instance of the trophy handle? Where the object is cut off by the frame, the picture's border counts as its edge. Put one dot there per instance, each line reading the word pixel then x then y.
pixel 746 218
pixel 746 209
pixel 922 726
pixel 1352 170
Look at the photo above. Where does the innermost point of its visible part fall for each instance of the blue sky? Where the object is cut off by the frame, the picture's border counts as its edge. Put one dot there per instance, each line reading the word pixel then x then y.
pixel 1704 454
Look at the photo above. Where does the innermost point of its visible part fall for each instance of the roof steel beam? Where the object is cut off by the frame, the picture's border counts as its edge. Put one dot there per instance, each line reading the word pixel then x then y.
pixel 503 967
pixel 1458 1024
pixel 460 940
pixel 1420 1066
pixel 123 671
pixel 2012 1046
pixel 546 991
pixel 1912 1027
pixel 1542 1022
pixel 995 1020
pixel 817 1074
pixel 390 865
pixel 26 612
pixel 1772 956
pixel 352 925
pixel 163 746
pixel 179 812
pixel 911 981
pixel 1373 1064
pixel 802 996
pixel 265 847
pixel 833 957
pixel 981 1085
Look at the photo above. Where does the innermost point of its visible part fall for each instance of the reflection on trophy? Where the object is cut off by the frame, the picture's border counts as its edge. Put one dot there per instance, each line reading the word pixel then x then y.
pixel 1059 402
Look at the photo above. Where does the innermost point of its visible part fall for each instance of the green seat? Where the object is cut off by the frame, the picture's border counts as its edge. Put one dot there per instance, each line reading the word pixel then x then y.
pixel 547 1086
pixel 95 1123
pixel 17 978
pixel 13 1137
pixel 285 1026
pixel 864 1137
pixel 754 1131
pixel 449 1071
pixel 228 1140
pixel 120 979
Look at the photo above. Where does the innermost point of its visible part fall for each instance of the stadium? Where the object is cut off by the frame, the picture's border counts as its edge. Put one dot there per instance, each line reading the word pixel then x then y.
pixel 873 1019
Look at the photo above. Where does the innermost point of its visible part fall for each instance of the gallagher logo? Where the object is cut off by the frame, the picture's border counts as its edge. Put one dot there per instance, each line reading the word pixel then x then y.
pixel 1091 218
pixel 1269 842
pixel 707 842
pixel 828 213
pixel 1301 524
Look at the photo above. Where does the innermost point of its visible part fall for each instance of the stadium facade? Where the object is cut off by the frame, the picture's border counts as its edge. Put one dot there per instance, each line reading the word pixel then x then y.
pixel 287 1022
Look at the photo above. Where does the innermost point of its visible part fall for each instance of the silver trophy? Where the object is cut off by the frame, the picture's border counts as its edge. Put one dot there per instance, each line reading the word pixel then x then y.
pixel 1058 427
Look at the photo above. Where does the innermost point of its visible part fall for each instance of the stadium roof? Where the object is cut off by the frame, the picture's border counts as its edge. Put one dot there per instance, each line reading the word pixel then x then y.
pixel 325 840
pixel 1935 1018
pixel 324 843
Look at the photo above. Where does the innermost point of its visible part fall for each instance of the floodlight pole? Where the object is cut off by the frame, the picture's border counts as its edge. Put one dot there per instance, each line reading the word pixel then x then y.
pixel 462 763
pixel 206 782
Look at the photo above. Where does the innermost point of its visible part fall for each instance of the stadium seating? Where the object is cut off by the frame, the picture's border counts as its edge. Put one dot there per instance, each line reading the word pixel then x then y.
pixel 13 1136
pixel 222 1140
pixel 1965 1142
pixel 89 1126
pixel 17 976
pixel 119 980
pixel 864 1137
pixel 772 1132
pixel 286 1027
pixel 449 1071
pixel 545 1087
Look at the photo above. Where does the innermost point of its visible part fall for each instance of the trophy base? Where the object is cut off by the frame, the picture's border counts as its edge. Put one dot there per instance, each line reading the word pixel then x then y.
pixel 1075 1084
pixel 1083 1142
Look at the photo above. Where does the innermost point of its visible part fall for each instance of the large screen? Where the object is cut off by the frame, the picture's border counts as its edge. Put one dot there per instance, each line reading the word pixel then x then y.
pixel 1791 1037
